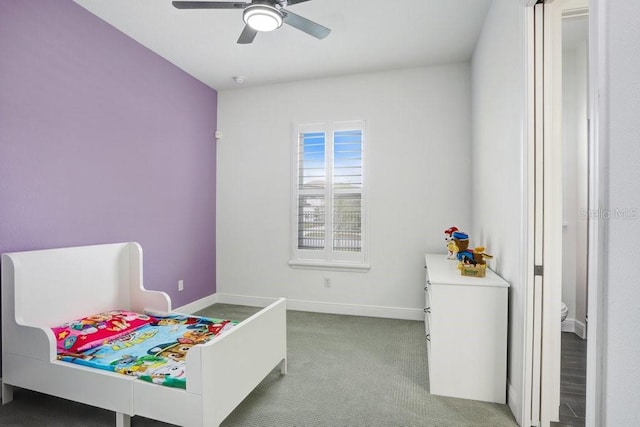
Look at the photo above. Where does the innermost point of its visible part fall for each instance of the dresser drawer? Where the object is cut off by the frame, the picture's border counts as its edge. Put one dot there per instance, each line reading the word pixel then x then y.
pixel 427 304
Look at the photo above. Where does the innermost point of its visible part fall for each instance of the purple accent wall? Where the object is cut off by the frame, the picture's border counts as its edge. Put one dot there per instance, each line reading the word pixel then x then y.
pixel 103 141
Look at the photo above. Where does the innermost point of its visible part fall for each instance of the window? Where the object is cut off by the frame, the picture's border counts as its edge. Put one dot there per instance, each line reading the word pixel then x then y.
pixel 328 227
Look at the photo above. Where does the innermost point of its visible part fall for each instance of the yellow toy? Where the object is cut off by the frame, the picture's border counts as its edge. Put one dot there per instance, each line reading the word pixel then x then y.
pixel 453 250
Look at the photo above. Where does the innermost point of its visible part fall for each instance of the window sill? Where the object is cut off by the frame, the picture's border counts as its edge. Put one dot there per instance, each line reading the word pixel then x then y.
pixel 325 265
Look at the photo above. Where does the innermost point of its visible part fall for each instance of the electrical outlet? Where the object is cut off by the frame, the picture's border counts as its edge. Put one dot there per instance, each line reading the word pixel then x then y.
pixel 327 282
pixel 181 285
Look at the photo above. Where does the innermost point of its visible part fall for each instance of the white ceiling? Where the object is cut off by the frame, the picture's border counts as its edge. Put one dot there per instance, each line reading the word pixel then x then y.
pixel 367 35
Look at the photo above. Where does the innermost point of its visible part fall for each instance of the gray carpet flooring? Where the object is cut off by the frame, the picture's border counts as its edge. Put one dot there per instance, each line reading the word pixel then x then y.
pixel 342 371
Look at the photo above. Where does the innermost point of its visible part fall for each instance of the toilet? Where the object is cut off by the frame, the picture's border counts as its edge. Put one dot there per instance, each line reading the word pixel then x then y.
pixel 564 312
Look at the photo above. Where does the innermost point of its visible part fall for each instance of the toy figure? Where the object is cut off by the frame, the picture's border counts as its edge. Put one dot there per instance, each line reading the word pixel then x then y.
pixel 453 250
pixel 449 239
pixel 466 255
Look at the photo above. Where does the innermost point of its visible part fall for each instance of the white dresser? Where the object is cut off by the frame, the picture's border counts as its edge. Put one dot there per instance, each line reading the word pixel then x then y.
pixel 466 327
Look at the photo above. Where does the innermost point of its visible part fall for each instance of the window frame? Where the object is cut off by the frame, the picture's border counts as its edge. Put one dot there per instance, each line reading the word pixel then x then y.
pixel 327 258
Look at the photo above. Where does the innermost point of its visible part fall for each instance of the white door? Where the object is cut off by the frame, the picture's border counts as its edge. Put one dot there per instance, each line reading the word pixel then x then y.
pixel 546 162
pixel 546 279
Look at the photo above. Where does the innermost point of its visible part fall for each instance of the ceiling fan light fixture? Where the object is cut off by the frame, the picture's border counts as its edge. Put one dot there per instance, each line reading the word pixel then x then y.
pixel 262 17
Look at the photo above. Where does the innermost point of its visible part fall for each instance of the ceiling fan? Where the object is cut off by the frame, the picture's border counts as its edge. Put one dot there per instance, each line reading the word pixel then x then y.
pixel 261 15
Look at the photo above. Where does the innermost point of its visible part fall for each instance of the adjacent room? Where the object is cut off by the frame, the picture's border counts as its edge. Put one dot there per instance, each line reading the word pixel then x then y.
pixel 208 140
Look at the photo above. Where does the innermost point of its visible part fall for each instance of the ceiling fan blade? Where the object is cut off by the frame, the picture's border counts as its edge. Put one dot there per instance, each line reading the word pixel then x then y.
pixel 208 5
pixel 303 24
pixel 247 35
pixel 290 2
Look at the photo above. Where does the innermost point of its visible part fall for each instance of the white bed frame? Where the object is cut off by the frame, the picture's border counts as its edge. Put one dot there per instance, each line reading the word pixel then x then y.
pixel 41 289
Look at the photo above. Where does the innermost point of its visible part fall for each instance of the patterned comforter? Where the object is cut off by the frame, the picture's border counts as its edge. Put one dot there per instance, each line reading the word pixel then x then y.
pixel 155 352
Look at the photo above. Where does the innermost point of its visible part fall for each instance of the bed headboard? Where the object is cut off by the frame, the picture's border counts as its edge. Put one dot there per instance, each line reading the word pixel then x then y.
pixel 49 287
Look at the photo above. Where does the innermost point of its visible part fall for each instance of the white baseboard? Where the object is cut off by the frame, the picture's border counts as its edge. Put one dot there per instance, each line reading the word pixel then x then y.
pixel 246 300
pixel 197 305
pixel 568 325
pixel 302 305
pixel 575 326
pixel 514 402
pixel 326 307
pixel 581 329
pixel 357 310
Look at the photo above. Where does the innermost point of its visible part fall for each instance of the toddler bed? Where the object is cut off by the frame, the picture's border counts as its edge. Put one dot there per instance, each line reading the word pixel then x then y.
pixel 44 289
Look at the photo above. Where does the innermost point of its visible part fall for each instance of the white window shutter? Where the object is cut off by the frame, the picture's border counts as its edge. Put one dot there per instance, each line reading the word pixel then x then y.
pixel 329 193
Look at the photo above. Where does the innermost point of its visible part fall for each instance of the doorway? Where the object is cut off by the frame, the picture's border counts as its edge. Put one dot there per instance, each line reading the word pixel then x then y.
pixel 573 352
pixel 575 33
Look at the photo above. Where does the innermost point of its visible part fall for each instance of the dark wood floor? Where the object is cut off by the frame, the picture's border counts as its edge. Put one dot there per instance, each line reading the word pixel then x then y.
pixel 572 381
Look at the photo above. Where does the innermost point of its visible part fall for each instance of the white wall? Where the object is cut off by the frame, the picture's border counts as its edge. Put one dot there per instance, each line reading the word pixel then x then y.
pixel 418 175
pixel 582 188
pixel 575 157
pixel 569 202
pixel 622 312
pixel 498 100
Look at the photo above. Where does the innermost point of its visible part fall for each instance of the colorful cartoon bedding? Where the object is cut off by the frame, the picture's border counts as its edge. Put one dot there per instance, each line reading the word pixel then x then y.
pixel 154 351
pixel 92 331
